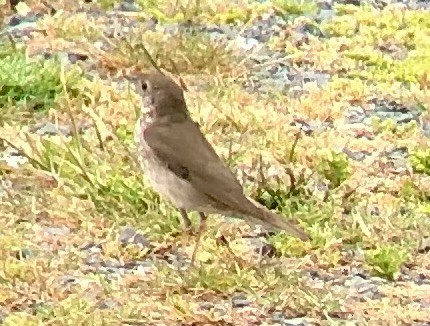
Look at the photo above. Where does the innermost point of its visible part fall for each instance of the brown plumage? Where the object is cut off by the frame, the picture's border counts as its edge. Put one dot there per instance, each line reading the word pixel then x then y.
pixel 183 166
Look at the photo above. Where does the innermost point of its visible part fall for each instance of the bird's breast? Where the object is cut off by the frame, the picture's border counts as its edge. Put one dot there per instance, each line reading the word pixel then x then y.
pixel 143 150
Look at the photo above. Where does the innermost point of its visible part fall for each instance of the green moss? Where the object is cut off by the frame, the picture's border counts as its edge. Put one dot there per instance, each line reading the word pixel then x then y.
pixel 386 260
pixel 420 161
pixel 369 30
pixel 334 167
pixel 295 7
pixel 32 83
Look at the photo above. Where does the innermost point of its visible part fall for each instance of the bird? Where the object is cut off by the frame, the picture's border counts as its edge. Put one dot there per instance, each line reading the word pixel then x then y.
pixel 183 167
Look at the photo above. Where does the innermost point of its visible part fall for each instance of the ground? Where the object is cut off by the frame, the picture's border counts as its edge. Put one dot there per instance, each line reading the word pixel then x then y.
pixel 321 108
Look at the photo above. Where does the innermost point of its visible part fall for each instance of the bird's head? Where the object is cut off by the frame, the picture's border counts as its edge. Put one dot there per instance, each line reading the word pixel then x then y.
pixel 161 96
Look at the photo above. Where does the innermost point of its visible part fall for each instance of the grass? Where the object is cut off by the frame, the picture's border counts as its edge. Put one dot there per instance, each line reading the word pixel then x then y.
pixel 64 210
pixel 31 85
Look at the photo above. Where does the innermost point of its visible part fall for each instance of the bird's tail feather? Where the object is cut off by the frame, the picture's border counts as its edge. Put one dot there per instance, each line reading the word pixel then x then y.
pixel 259 214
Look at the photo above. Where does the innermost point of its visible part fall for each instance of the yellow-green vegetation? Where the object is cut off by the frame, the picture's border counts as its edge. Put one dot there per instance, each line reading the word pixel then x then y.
pixel 295 8
pixel 31 83
pixel 420 161
pixel 63 211
pixel 196 10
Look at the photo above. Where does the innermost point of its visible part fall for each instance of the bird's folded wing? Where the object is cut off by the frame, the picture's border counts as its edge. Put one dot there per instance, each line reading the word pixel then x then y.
pixel 184 149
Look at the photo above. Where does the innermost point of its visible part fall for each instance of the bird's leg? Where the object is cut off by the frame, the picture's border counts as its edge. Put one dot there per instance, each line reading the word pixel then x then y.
pixel 186 222
pixel 202 227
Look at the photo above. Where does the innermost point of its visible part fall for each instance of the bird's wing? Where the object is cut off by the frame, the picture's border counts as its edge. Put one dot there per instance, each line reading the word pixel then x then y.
pixel 186 152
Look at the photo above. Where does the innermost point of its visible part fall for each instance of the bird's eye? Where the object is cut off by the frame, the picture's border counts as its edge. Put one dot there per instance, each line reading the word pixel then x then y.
pixel 144 85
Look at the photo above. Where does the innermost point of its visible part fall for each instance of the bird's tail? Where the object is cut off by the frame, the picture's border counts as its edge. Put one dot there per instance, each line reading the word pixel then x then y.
pixel 259 214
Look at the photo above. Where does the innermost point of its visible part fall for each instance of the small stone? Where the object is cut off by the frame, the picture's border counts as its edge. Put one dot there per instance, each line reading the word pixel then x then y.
pixel 295 322
pixel 21 22
pixel 240 301
pixel 246 44
pixel 67 279
pixel 278 317
pixel 12 158
pixel 425 127
pixel 128 5
pixel 55 231
pixel 298 78
pixel 385 109
pixel 260 246
pixel 93 260
pixel 397 153
pixel 75 57
pixel 140 239
pixel 15 20
pixel 51 129
pixel 108 304
pixel 129 235
pixel 314 274
pixel 205 306
pixel 144 268
pixel 25 253
pixel 325 5
pixel 304 126
pixel 355 114
pixel 91 246
pixel 356 156
pixel 424 245
pixel 362 288
pixel 111 263
pixel 421 278
pixel 352 2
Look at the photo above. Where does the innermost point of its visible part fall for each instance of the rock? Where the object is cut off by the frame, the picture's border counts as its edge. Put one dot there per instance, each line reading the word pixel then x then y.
pixel 246 44
pixel 384 109
pixel 25 253
pixel 205 306
pixel 108 304
pixel 355 114
pixel 75 57
pixel 304 126
pixel 16 20
pixel 397 153
pixel 363 289
pixel 278 317
pixel 421 279
pixel 424 245
pixel 264 27
pixel 240 301
pixel 301 78
pixel 91 246
pixel 144 267
pixel 260 246
pixel 129 235
pixel 352 2
pixel 93 260
pixel 295 322
pixel 326 14
pixel 51 129
pixel 356 156
pixel 67 280
pixel 111 263
pixel 425 126
pixel 55 230
pixel 127 5
pixel 12 158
